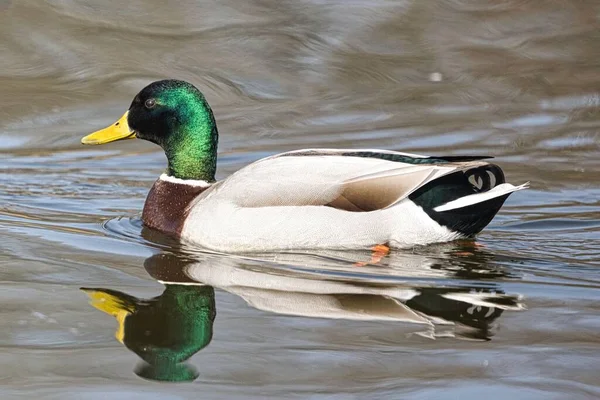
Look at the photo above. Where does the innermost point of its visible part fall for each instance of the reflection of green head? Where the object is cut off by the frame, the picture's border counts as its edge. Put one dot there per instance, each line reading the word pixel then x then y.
pixel 173 326
pixel 163 331
pixel 167 372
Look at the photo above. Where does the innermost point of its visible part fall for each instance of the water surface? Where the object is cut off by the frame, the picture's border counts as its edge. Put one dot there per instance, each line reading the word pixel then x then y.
pixel 514 315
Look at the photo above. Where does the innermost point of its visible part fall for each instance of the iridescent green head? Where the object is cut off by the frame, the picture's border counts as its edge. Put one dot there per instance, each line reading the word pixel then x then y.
pixel 175 115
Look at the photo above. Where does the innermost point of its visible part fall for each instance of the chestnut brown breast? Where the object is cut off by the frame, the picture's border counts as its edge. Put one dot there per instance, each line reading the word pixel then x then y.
pixel 166 206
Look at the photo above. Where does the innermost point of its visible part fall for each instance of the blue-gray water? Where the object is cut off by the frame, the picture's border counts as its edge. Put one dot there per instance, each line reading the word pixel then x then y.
pixel 516 315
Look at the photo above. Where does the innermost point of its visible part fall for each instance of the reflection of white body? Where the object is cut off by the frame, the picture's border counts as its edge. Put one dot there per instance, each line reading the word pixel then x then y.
pixel 298 292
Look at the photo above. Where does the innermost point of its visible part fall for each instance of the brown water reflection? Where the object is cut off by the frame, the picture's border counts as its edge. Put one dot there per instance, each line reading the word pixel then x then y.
pixel 516 79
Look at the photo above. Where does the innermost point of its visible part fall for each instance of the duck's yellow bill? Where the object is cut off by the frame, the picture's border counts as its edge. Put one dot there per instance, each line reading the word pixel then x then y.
pixel 117 131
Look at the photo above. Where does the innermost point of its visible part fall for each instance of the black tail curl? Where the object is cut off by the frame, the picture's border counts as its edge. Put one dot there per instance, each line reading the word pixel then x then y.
pixel 468 220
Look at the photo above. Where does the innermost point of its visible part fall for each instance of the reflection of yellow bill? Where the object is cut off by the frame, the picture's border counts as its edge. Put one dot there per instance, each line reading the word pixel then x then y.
pixel 111 305
pixel 117 131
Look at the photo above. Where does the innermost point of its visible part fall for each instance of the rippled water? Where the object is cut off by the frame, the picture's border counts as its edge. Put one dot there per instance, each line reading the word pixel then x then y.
pixel 514 315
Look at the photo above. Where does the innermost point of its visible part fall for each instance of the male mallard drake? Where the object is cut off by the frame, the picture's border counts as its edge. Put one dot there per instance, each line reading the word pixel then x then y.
pixel 303 199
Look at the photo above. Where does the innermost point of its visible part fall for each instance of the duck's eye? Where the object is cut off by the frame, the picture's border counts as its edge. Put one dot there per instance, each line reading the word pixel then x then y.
pixel 150 103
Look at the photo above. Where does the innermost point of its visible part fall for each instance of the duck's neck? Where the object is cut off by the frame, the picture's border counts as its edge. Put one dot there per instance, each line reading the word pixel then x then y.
pixel 192 152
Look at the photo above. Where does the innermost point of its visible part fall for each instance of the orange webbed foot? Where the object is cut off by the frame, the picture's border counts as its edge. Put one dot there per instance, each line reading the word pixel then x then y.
pixel 378 252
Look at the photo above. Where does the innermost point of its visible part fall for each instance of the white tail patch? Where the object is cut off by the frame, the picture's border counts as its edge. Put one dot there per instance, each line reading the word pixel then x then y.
pixel 471 199
pixel 486 300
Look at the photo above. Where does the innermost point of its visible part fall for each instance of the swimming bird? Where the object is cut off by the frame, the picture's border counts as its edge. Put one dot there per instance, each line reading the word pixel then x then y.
pixel 301 199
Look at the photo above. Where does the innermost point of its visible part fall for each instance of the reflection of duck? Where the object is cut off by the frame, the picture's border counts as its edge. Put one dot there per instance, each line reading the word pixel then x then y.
pixel 300 292
pixel 167 330
pixel 164 331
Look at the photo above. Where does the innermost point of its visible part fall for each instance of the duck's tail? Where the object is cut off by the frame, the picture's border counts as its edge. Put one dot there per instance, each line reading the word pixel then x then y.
pixel 501 190
pixel 466 201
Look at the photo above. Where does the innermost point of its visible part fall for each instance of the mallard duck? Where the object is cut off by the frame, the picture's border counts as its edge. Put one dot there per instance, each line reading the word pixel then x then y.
pixel 302 199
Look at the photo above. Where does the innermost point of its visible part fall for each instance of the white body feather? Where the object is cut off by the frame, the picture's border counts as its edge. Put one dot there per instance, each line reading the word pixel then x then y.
pixel 281 202
pixel 225 226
